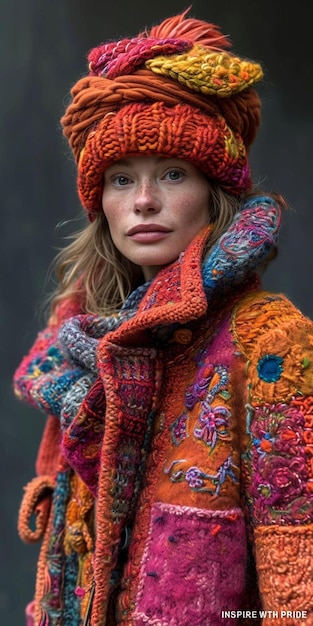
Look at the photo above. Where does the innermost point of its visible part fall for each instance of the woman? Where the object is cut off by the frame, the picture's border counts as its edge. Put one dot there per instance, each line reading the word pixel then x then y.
pixel 175 477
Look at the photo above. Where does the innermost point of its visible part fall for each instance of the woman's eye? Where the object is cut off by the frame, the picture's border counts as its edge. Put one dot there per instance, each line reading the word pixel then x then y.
pixel 174 175
pixel 120 180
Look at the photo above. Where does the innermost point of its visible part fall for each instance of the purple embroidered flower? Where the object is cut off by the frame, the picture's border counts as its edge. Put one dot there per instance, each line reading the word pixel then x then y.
pixel 213 424
pixel 194 478
pixel 179 429
pixel 198 479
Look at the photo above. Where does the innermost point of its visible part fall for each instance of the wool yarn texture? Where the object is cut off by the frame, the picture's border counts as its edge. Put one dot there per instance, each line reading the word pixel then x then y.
pixel 215 413
pixel 175 91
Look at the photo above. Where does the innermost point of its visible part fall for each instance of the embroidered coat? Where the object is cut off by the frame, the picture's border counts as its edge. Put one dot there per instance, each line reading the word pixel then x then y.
pixel 187 420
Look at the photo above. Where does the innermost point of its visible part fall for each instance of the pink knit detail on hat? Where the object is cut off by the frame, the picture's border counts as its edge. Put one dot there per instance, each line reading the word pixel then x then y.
pixel 124 57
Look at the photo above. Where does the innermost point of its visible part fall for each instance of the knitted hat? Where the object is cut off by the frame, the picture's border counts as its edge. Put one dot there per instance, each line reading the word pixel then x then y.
pixel 174 91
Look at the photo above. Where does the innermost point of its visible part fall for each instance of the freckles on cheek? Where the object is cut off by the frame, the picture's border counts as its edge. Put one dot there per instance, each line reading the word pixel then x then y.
pixel 195 218
pixel 109 213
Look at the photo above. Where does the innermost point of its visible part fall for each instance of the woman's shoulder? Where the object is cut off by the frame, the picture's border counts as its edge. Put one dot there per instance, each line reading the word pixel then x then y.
pixel 271 318
pixel 64 309
pixel 261 311
pixel 276 340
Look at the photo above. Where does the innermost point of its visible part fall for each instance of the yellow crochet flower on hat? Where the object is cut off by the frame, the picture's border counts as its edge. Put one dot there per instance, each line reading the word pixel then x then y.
pixel 210 72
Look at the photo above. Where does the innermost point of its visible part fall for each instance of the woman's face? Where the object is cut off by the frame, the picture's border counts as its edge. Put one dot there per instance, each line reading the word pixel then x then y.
pixel 154 207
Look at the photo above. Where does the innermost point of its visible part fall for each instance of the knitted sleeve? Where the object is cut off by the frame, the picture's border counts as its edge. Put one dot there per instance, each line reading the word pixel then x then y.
pixel 42 380
pixel 276 341
pixel 44 374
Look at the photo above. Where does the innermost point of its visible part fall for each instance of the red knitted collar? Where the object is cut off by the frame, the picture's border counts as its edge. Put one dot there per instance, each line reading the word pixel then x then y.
pixel 183 281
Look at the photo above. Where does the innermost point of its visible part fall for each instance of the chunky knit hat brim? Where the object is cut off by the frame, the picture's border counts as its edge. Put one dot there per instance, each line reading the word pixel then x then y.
pixel 181 131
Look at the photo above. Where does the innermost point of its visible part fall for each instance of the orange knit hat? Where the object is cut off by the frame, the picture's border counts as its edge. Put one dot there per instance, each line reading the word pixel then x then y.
pixel 173 91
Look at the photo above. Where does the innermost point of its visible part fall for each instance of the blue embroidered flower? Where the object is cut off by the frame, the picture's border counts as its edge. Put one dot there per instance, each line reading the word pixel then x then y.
pixel 270 368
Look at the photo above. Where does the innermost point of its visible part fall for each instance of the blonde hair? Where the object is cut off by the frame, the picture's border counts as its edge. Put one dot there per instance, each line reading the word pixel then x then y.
pixel 91 271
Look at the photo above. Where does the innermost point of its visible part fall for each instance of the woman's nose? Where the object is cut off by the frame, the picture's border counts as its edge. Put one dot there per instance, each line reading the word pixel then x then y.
pixel 147 198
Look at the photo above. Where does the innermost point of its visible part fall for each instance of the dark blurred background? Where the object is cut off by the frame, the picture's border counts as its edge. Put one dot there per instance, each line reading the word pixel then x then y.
pixel 43 46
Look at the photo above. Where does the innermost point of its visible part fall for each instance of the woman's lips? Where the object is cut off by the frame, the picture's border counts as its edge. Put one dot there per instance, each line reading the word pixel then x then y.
pixel 148 233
